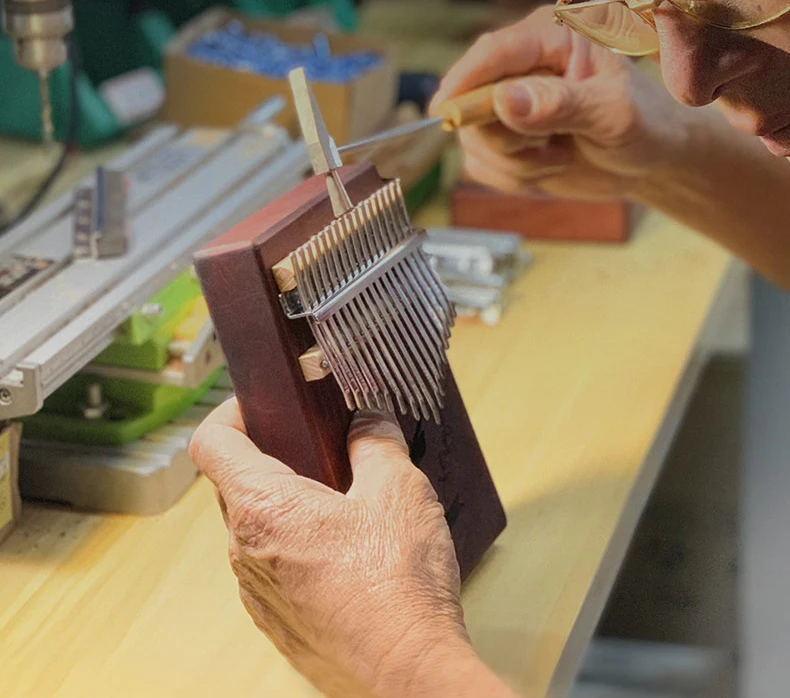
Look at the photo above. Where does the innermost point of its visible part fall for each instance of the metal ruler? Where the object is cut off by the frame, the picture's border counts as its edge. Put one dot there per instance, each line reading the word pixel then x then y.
pixel 184 189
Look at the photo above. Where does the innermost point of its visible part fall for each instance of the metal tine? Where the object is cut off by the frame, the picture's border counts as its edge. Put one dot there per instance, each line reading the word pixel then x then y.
pixel 339 367
pixel 397 208
pixel 310 299
pixel 367 331
pixel 390 224
pixel 349 249
pixel 303 282
pixel 374 226
pixel 361 354
pixel 384 358
pixel 372 248
pixel 427 293
pixel 355 252
pixel 329 261
pixel 400 202
pixel 337 362
pixel 334 256
pixel 403 361
pixel 328 279
pixel 410 295
pixel 414 334
pixel 358 254
pixel 318 282
pixel 409 279
pixel 342 251
pixel 419 329
pixel 388 390
pixel 363 236
pixel 433 281
pixel 413 287
pixel 398 215
pixel 400 218
pixel 384 341
pixel 444 313
pixel 406 342
pixel 336 332
pixel 386 222
pixel 312 274
pixel 430 275
pixel 378 229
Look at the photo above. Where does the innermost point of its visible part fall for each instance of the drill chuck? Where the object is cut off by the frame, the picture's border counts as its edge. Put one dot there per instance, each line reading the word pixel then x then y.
pixel 38 29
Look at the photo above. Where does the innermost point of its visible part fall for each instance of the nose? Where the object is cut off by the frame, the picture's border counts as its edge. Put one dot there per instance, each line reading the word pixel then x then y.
pixel 698 60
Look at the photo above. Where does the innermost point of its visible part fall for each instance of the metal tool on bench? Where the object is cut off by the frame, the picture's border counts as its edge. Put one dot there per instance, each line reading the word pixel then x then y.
pixel 100 225
pixel 145 477
pixel 477 267
pixel 183 189
pixel 356 274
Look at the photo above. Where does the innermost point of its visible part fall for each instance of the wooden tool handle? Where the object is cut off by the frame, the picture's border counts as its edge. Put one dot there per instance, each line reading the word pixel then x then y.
pixel 474 108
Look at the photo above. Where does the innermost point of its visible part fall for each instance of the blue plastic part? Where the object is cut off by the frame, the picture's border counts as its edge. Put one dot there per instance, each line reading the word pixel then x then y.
pixel 232 46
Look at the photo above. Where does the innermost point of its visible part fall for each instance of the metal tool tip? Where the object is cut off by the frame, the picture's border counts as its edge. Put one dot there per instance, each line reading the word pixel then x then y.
pixel 47 128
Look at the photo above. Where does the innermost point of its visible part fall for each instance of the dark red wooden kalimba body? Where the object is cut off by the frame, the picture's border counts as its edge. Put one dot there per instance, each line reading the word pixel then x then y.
pixel 304 424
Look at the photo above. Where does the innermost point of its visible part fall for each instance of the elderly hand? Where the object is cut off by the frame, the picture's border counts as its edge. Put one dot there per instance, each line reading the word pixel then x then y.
pixel 360 591
pixel 609 124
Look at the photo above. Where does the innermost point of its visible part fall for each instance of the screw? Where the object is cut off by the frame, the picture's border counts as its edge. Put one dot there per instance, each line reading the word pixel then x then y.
pixel 5 396
pixel 151 310
pixel 95 408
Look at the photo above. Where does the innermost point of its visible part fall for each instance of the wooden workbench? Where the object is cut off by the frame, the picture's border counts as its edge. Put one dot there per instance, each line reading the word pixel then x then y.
pixel 575 398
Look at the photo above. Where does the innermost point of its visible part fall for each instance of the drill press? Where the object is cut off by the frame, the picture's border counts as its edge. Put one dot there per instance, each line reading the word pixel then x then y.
pixel 38 29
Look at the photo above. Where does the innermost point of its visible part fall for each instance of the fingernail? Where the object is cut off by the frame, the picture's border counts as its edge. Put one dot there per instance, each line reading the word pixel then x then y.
pixel 517 98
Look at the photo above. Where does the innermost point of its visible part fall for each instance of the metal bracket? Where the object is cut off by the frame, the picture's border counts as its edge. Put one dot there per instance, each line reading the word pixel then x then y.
pixel 188 369
pixel 20 392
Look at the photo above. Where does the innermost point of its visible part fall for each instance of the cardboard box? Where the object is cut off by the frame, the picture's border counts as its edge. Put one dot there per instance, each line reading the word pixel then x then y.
pixel 201 94
pixel 542 216
pixel 10 501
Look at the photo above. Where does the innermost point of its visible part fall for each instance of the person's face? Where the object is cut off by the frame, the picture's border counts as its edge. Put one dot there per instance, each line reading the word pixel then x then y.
pixel 748 72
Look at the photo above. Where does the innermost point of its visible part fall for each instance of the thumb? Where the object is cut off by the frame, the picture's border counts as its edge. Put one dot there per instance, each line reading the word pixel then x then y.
pixel 544 105
pixel 377 451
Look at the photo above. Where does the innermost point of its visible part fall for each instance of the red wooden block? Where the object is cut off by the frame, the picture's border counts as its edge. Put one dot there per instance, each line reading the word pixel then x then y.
pixel 305 424
pixel 543 217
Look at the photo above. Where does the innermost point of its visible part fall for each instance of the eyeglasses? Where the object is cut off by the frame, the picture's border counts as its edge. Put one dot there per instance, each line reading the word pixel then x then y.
pixel 628 27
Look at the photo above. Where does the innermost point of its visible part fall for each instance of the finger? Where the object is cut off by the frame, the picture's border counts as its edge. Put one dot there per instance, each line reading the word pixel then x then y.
pixel 377 451
pixel 512 172
pixel 550 105
pixel 229 414
pixel 532 44
pixel 222 507
pixel 225 454
pixel 484 174
pixel 499 138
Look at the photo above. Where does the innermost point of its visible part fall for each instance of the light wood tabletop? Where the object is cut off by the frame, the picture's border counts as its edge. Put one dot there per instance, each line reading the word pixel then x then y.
pixel 575 397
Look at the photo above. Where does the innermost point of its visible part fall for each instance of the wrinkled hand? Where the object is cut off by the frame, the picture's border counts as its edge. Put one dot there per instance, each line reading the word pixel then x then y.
pixel 356 589
pixel 609 123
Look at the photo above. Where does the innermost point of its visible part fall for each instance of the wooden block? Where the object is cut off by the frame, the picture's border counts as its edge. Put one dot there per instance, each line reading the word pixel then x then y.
pixel 10 501
pixel 543 217
pixel 303 423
